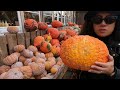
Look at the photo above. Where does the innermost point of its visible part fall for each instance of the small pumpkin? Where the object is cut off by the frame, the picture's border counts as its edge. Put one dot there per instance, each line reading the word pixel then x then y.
pixel 4 68
pixel 32 48
pixel 40 55
pixel 38 40
pixel 19 48
pixel 27 62
pixel 30 25
pixel 10 59
pixel 2 75
pixel 47 37
pixel 45 47
pixel 27 72
pixel 71 32
pixel 42 25
pixel 13 29
pixel 27 53
pixel 55 50
pixel 17 64
pixel 55 42
pixel 22 59
pixel 13 73
pixel 56 24
pixel 40 60
pixel 50 54
pixel 53 32
pixel 54 69
pixel 37 68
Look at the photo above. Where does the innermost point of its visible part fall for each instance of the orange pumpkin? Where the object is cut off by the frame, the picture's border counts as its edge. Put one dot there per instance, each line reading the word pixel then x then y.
pixel 80 52
pixel 45 47
pixel 55 42
pixel 38 40
pixel 55 50
pixel 47 37
pixel 53 32
pixel 56 24
pixel 71 32
pixel 30 25
pixel 42 25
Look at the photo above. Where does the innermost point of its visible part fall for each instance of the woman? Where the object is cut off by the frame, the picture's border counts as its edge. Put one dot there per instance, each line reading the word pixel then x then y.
pixel 104 25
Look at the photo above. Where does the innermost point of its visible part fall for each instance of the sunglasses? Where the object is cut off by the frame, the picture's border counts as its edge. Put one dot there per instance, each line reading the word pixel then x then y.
pixel 108 19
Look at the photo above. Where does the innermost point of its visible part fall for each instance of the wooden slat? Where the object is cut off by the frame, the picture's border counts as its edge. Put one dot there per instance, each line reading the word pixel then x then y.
pixel 38 33
pixel 27 39
pixel 3 46
pixel 21 38
pixel 12 41
pixel 32 36
pixel 62 73
pixel 43 32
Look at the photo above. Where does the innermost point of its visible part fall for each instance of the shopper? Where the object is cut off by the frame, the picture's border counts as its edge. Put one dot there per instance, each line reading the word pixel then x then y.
pixel 104 25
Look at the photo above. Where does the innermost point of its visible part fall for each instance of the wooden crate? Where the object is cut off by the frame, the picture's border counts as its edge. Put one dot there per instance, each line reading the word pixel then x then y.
pixel 8 41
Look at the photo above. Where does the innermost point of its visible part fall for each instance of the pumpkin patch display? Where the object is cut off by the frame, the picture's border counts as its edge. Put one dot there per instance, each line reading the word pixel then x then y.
pixel 80 52
pixel 30 25
pixel 42 25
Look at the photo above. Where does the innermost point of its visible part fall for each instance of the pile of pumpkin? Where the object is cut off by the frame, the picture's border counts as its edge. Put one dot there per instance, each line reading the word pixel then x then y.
pixel 29 64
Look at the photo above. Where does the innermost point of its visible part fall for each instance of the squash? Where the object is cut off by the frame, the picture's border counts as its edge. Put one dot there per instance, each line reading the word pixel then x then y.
pixel 12 29
pixel 19 48
pixel 80 52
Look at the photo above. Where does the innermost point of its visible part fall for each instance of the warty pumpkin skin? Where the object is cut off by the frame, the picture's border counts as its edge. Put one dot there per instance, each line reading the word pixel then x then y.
pixel 80 52
pixel 30 25
pixel 42 25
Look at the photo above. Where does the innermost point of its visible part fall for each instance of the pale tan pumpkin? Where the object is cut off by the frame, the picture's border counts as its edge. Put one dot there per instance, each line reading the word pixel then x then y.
pixel 40 60
pixel 27 61
pixel 9 60
pixel 27 53
pixel 4 68
pixel 42 75
pixel 27 71
pixel 33 59
pixel 37 68
pixel 2 75
pixel 32 48
pixel 54 69
pixel 22 59
pixel 19 48
pixel 14 73
pixel 12 29
pixel 17 65
pixel 40 55
pixel 50 54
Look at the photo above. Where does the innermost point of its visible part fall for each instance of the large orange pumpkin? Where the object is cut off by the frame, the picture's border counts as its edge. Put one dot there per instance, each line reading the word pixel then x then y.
pixel 38 40
pixel 80 52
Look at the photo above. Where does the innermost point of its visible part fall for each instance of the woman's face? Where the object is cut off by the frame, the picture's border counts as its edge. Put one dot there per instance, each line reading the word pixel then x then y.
pixel 103 29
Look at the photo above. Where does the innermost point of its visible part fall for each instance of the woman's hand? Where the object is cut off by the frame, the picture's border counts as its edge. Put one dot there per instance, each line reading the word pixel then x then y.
pixel 103 68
